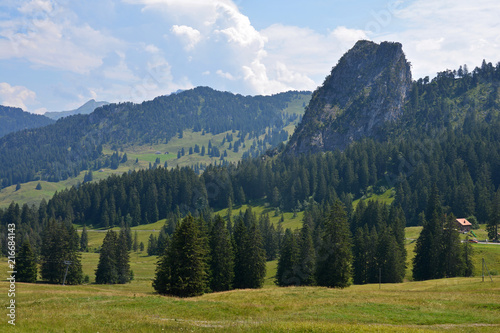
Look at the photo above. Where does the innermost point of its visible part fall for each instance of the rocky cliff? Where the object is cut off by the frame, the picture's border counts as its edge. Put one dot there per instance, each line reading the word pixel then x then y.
pixel 365 90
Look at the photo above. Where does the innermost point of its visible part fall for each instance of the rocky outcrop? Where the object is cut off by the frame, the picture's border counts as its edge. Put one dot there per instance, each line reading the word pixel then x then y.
pixel 365 90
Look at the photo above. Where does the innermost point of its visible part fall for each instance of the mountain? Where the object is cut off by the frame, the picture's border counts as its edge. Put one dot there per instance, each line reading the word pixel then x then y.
pixel 86 108
pixel 365 90
pixel 75 143
pixel 15 119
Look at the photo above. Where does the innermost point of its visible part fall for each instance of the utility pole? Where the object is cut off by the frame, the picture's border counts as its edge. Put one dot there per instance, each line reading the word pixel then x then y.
pixel 67 263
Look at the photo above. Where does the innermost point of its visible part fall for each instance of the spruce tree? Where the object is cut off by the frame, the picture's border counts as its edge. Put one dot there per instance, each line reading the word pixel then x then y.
pixel 122 257
pixel 135 245
pixel 468 264
pixel 60 244
pixel 250 257
pixel 334 259
pixel 494 218
pixel 306 264
pixel 26 264
pixel 427 248
pixel 287 261
pixel 84 240
pixel 183 269
pixel 107 270
pixel 451 257
pixel 221 257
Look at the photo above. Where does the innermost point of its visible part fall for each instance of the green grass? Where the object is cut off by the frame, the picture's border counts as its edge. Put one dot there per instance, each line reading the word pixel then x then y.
pixel 387 197
pixel 458 304
pixel 259 209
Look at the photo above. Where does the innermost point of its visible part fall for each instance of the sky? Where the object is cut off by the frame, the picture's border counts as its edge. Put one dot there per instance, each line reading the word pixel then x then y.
pixel 56 55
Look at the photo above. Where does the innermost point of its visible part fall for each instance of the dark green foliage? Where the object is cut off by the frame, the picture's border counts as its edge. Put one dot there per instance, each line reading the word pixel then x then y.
pixel 152 245
pixel 135 245
pixel 288 258
pixel 84 240
pixel 27 154
pixel 38 186
pixel 141 246
pixel 451 257
pixel 334 258
pixel 60 243
pixel 378 245
pixel 123 258
pixel 183 268
pixel 114 260
pixel 305 268
pixel 427 250
pixel 15 119
pixel 26 264
pixel 107 270
pixel 221 257
pixel 494 218
pixel 439 252
pixel 468 252
pixel 250 257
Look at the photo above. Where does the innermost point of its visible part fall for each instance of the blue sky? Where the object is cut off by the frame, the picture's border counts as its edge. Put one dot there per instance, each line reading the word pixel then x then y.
pixel 57 54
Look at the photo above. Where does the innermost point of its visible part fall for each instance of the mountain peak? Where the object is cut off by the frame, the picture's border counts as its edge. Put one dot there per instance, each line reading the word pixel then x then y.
pixel 366 89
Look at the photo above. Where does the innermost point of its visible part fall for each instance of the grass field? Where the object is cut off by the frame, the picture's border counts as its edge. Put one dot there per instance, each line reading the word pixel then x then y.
pixel 454 305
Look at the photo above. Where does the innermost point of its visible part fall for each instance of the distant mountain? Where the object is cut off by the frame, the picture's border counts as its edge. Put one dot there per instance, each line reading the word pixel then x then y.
pixel 365 90
pixel 86 108
pixel 15 119
pixel 74 143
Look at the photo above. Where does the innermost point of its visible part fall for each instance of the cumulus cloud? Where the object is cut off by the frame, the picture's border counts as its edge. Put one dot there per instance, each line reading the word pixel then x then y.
pixel 439 35
pixel 191 36
pixel 46 36
pixel 16 96
pixel 272 60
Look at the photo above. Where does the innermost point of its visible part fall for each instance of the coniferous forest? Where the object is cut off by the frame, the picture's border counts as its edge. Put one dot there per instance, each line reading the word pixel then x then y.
pixel 444 162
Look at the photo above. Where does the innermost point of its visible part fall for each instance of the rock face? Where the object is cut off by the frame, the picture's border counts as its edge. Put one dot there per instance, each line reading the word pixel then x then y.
pixel 365 90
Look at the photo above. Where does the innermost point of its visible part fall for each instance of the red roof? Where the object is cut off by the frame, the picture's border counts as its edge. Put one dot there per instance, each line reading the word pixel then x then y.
pixel 463 222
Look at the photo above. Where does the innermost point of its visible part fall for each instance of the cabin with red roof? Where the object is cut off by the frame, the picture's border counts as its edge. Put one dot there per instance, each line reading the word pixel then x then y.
pixel 463 225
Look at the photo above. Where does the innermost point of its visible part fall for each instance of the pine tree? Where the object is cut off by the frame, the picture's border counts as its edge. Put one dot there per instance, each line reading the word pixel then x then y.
pixel 221 257
pixel 183 269
pixel 122 258
pixel 135 245
pixel 287 261
pixel 107 270
pixel 451 257
pixel 60 244
pixel 334 256
pixel 84 240
pixel 494 218
pixel 152 245
pixel 306 264
pixel 250 257
pixel 468 264
pixel 141 246
pixel 26 265
pixel 427 248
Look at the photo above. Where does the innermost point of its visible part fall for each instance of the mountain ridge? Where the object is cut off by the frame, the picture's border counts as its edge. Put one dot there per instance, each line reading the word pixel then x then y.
pixel 86 108
pixel 14 119
pixel 366 89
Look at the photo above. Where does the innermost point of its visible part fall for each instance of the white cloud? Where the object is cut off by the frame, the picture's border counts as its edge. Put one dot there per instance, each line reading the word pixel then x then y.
pixel 120 72
pixel 439 35
pixel 16 96
pixel 225 75
pixel 47 36
pixel 191 35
